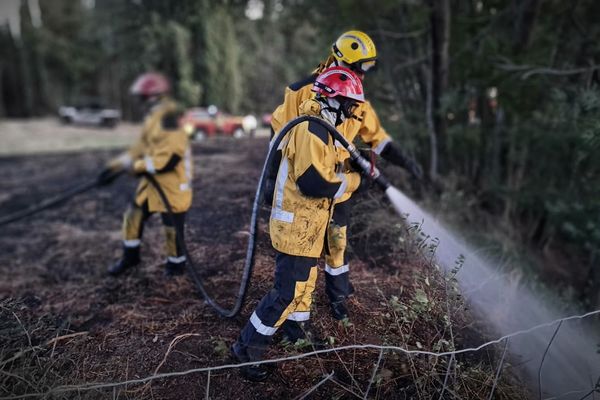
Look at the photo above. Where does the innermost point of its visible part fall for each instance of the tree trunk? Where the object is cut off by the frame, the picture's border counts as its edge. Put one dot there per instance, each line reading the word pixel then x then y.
pixel 527 12
pixel 440 41
pixel 429 118
pixel 2 110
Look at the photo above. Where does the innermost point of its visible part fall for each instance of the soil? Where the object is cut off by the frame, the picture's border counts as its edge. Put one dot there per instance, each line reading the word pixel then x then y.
pixel 65 322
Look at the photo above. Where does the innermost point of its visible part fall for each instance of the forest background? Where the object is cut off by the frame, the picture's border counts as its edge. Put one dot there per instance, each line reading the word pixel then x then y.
pixel 499 100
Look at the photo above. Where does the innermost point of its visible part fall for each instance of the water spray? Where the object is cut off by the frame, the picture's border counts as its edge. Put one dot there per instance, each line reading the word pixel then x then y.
pixel 569 360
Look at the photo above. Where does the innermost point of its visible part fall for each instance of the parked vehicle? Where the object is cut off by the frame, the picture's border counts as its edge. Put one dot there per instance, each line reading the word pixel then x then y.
pixel 89 113
pixel 202 123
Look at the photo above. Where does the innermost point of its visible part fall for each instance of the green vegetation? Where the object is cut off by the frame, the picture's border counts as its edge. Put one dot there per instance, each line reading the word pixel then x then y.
pixel 498 99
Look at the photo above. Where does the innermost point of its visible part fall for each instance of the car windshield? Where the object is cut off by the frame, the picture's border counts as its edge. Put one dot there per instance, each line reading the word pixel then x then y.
pixel 200 114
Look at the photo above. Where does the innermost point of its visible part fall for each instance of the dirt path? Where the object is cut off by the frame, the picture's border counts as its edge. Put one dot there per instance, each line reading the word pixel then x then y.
pixel 64 321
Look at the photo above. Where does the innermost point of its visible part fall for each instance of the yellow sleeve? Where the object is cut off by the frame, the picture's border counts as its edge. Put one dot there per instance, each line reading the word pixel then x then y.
pixel 371 130
pixel 289 109
pixel 127 159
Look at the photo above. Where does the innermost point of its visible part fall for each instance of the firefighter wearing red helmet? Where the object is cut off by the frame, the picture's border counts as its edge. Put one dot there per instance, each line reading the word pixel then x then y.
pixel 308 183
pixel 355 50
pixel 162 150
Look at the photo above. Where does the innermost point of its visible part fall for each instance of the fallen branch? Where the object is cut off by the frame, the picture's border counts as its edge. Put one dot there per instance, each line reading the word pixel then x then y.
pixel 530 70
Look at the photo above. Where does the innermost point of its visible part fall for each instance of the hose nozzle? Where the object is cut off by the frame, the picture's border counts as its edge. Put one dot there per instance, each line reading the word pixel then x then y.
pixel 367 169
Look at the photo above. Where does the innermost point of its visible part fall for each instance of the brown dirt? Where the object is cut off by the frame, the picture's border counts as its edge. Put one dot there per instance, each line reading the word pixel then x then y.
pixel 109 330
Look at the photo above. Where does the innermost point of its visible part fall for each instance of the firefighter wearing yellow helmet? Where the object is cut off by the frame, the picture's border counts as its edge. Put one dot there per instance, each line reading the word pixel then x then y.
pixel 163 151
pixel 356 51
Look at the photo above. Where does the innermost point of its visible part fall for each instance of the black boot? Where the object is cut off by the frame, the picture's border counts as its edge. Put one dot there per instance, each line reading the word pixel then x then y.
pixel 174 269
pixel 339 310
pixel 131 258
pixel 253 373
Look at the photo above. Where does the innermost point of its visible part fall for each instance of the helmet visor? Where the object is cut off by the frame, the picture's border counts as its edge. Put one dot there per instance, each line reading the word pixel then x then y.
pixel 365 66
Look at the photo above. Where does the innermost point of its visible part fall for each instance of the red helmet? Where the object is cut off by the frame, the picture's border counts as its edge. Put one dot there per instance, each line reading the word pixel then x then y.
pixel 150 84
pixel 339 81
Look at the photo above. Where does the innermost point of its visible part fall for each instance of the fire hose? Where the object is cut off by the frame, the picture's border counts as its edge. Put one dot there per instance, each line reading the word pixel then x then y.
pixel 52 202
pixel 367 168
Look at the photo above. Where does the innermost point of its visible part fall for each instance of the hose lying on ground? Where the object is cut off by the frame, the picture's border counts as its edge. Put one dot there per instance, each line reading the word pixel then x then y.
pixel 51 202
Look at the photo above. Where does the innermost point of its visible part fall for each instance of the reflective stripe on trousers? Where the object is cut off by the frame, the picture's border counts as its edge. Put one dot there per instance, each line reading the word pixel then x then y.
pixel 289 299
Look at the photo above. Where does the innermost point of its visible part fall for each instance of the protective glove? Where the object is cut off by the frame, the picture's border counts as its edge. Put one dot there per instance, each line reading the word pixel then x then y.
pixel 392 153
pixel 414 170
pixel 139 167
pixel 107 176
pixel 352 165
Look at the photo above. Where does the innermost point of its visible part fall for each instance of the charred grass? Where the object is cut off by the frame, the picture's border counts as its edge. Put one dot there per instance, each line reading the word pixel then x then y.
pixel 63 322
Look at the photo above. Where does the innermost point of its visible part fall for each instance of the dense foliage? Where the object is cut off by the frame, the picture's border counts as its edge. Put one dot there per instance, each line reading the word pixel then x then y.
pixel 499 99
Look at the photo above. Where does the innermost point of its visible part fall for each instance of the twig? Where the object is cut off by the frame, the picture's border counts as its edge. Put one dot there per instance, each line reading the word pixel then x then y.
pixel 544 357
pixel 346 389
pixel 446 377
pixel 92 386
pixel 207 386
pixel 23 327
pixel 309 391
pixel 373 374
pixel 498 370
pixel 17 377
pixel 354 383
pixel 33 348
pixel 176 340
pixel 529 70
pixel 69 336
pixel 558 72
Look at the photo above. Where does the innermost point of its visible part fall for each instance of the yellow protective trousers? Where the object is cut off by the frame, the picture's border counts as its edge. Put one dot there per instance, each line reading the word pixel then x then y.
pixel 337 279
pixel 134 220
pixel 285 306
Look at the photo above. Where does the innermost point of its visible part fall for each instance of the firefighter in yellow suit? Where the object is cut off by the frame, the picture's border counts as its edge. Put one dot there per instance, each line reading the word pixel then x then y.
pixel 308 182
pixel 356 51
pixel 163 151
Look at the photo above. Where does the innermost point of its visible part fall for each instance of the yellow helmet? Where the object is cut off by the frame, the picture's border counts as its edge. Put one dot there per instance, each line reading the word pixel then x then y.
pixel 356 50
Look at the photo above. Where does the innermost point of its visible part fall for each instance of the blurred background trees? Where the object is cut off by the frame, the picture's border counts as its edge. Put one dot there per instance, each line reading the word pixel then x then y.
pixel 498 99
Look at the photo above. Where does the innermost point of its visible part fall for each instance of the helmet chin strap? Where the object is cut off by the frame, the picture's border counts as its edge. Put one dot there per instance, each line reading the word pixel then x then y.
pixel 331 110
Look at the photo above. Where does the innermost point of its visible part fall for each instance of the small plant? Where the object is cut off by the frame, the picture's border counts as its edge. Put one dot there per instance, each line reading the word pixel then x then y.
pixel 220 347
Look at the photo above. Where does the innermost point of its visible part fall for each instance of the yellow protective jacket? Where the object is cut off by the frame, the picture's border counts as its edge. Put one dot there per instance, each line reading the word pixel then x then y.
pixel 162 150
pixel 366 124
pixel 307 184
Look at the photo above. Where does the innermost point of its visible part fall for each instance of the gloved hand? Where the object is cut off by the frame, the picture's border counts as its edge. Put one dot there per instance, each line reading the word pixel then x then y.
pixel 394 154
pixel 414 170
pixel 107 176
pixel 139 167
pixel 352 165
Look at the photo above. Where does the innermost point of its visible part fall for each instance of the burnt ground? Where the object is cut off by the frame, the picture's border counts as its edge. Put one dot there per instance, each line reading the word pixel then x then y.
pixel 65 322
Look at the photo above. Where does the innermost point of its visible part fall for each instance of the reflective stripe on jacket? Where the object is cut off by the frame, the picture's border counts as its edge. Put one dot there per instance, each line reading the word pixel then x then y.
pixel 307 183
pixel 366 125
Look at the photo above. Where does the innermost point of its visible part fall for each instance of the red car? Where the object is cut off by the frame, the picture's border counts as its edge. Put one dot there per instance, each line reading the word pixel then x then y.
pixel 201 124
